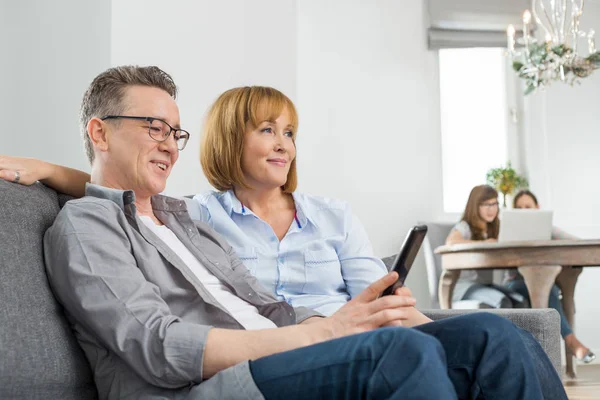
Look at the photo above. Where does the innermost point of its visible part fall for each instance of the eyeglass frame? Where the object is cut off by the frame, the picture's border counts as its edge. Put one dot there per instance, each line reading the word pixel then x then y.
pixel 149 120
pixel 489 205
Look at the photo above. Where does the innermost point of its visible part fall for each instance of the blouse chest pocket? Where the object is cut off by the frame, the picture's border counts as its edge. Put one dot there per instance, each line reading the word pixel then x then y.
pixel 249 258
pixel 323 271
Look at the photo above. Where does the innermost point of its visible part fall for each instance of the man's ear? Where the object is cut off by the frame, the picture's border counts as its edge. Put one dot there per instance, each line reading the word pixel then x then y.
pixel 97 132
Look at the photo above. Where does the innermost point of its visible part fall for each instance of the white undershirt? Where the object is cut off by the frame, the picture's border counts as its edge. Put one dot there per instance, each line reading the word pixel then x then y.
pixel 245 313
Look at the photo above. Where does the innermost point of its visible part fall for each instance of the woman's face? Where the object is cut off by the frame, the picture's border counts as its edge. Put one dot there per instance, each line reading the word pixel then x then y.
pixel 488 210
pixel 269 150
pixel 526 201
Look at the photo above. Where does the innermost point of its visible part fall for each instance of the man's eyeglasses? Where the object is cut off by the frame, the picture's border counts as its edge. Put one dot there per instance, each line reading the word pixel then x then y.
pixel 489 205
pixel 158 129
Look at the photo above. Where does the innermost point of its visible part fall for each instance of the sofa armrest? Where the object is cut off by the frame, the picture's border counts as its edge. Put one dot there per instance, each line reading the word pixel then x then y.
pixel 543 324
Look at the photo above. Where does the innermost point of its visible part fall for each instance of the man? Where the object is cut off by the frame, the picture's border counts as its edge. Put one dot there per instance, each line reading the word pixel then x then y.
pixel 163 308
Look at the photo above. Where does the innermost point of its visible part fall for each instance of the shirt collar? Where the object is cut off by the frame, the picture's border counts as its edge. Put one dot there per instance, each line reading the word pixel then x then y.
pixel 126 198
pixel 302 210
pixel 232 205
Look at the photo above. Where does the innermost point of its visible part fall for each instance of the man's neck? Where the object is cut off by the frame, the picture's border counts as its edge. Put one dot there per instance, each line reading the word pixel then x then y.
pixel 143 203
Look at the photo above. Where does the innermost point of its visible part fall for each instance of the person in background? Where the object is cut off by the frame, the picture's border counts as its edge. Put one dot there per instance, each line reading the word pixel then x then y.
pixel 480 222
pixel 514 281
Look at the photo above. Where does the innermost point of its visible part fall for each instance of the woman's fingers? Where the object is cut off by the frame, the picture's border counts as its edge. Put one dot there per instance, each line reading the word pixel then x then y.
pixel 11 176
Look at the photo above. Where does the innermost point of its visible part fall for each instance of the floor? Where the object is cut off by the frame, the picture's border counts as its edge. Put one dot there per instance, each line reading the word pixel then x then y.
pixel 587 384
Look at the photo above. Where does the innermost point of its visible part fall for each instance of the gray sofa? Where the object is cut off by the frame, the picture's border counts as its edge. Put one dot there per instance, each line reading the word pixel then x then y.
pixel 39 355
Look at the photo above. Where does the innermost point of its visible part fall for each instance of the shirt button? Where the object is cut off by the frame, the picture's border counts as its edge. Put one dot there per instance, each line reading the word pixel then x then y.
pixel 190 230
pixel 216 263
pixel 249 294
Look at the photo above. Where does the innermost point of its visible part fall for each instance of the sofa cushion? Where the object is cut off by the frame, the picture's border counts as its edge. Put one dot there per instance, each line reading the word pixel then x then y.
pixel 39 355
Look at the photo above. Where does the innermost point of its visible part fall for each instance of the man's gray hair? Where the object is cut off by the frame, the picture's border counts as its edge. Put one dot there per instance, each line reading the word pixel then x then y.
pixel 105 94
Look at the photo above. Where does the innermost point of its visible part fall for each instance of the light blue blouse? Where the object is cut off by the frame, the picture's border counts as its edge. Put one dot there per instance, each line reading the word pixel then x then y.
pixel 323 261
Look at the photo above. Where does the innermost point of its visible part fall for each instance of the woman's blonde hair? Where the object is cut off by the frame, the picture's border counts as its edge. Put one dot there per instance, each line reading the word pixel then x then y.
pixel 223 137
pixel 481 229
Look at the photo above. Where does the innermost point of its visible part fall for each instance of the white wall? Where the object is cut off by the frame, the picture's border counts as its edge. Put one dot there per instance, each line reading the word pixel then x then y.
pixel 562 152
pixel 366 93
pixel 368 98
pixel 50 53
pixel 208 47
pixel 364 83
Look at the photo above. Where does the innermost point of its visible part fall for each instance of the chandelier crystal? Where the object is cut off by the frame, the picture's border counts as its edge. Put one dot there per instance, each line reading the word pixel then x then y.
pixel 557 57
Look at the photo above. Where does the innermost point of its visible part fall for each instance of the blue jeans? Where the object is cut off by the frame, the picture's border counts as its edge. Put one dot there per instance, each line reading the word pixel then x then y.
pixel 518 285
pixel 476 356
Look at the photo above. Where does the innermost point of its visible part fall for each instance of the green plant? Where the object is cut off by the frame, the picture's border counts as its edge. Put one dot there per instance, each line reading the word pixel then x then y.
pixel 505 180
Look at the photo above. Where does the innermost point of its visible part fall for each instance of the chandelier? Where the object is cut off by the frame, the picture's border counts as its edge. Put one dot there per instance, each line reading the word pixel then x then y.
pixel 557 58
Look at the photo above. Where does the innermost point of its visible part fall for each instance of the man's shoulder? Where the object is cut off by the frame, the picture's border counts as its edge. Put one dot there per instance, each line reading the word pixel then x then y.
pixel 85 212
pixel 89 205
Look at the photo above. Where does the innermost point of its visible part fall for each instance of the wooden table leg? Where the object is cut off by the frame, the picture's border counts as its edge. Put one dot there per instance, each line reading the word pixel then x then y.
pixel 539 281
pixel 446 287
pixel 566 280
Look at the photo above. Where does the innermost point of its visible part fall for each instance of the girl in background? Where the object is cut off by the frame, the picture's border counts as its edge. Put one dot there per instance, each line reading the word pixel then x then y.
pixel 480 223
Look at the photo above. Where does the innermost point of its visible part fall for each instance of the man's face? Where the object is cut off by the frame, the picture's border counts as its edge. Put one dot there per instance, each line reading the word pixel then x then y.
pixel 134 160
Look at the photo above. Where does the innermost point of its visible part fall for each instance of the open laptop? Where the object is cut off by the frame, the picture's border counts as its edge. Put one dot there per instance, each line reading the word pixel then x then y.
pixel 525 224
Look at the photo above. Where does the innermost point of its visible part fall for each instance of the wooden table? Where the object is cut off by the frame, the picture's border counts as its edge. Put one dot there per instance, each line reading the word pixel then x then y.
pixel 542 263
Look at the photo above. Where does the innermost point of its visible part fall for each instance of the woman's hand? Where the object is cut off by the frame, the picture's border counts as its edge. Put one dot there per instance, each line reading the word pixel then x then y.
pixel 25 171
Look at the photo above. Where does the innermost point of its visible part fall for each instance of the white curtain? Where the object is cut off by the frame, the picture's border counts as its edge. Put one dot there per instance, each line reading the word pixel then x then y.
pixel 473 23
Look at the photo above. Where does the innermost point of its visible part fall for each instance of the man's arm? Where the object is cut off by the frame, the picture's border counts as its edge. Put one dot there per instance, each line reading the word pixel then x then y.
pixel 365 312
pixel 95 276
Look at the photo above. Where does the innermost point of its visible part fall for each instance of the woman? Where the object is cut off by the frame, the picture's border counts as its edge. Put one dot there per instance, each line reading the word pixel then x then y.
pixel 514 281
pixel 480 223
pixel 309 251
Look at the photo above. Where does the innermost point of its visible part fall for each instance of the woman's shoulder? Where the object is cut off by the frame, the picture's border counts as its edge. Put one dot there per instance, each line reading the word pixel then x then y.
pixel 206 204
pixel 464 229
pixel 319 202
pixel 326 211
pixel 206 197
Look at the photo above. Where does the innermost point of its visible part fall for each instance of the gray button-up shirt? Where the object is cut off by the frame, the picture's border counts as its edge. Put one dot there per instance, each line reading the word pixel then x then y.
pixel 139 313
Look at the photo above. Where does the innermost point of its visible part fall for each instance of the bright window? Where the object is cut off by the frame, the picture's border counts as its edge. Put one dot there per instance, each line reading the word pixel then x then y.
pixel 473 119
